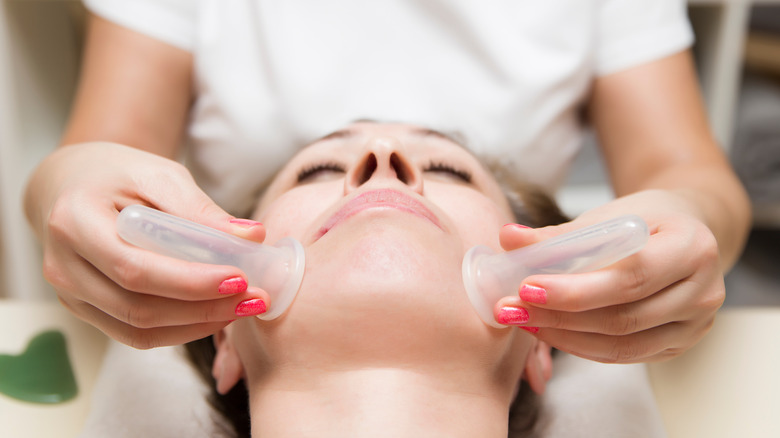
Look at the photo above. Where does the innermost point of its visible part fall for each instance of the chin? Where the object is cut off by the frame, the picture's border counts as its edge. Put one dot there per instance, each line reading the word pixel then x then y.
pixel 376 266
pixel 384 298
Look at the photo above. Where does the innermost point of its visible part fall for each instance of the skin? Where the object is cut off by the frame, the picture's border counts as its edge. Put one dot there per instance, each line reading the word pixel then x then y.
pixel 377 287
pixel 663 163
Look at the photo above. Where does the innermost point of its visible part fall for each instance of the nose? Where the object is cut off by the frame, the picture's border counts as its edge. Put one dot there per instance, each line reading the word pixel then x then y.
pixel 385 160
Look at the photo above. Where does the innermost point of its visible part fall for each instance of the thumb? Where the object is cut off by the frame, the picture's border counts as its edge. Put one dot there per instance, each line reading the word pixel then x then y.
pixel 188 201
pixel 248 229
pixel 513 236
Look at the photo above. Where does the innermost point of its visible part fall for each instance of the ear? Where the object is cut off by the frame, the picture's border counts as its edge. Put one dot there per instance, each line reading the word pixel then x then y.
pixel 538 367
pixel 227 368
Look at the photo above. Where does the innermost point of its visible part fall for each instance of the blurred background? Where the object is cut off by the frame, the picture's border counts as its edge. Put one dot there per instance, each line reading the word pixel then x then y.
pixel 737 52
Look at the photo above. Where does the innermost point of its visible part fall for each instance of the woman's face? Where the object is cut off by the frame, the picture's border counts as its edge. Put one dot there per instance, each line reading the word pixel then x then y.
pixel 385 213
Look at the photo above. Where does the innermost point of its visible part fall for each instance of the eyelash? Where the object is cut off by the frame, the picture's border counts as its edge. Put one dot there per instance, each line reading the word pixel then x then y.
pixel 313 169
pixel 433 166
pixel 438 166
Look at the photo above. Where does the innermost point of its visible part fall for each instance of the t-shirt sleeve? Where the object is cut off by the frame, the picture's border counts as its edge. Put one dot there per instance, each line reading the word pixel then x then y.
pixel 170 21
pixel 630 33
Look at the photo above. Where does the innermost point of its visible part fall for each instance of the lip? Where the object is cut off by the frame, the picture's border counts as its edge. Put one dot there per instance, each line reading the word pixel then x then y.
pixel 383 198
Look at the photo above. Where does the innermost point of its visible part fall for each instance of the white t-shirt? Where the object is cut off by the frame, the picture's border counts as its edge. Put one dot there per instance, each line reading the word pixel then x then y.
pixel 509 75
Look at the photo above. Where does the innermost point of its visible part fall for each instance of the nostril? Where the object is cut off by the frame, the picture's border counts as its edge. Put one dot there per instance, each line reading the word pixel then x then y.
pixel 369 167
pixel 400 168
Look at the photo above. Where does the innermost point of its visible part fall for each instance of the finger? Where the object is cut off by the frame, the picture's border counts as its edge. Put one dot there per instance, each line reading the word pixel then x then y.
pixel 248 229
pixel 621 319
pixel 143 271
pixel 513 236
pixel 175 192
pixel 668 339
pixel 145 338
pixel 654 268
pixel 150 311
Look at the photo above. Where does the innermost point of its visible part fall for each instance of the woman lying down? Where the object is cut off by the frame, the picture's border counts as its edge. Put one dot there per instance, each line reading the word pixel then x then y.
pixel 381 339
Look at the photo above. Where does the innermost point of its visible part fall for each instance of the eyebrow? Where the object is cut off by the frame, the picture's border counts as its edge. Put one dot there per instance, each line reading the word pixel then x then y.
pixel 455 138
pixel 342 133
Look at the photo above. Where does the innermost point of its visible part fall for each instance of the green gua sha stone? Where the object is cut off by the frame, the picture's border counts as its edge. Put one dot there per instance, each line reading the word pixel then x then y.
pixel 42 374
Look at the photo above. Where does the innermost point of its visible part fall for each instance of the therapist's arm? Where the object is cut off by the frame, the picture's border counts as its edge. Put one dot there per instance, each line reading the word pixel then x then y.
pixel 654 134
pixel 133 90
pixel 126 124
pixel 665 167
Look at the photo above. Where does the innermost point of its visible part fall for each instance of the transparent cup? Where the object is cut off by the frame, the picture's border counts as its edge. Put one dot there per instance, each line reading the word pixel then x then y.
pixel 489 276
pixel 276 269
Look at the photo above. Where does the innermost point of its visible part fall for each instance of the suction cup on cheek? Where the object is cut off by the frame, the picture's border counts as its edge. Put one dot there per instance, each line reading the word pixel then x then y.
pixel 489 276
pixel 277 269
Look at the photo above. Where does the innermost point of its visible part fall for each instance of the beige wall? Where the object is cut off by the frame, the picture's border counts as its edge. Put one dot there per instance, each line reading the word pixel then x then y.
pixel 39 50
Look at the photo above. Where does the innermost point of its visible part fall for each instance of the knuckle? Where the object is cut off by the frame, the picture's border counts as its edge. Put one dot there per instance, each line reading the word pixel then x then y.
pixel 623 351
pixel 624 321
pixel 210 313
pixel 670 353
pixel 76 308
pixel 179 169
pixel 141 339
pixel 555 320
pixel 131 273
pixel 60 211
pixel 713 299
pixel 707 252
pixel 138 316
pixel 706 327
pixel 177 174
pixel 576 300
pixel 634 281
pixel 54 274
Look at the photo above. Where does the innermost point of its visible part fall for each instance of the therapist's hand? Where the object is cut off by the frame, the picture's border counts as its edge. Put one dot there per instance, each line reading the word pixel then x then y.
pixel 651 306
pixel 139 298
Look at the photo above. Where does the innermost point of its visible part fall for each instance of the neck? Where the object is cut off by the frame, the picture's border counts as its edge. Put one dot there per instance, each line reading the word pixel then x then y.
pixel 379 402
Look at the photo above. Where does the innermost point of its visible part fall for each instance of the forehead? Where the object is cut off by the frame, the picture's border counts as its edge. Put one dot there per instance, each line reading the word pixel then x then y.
pixel 414 139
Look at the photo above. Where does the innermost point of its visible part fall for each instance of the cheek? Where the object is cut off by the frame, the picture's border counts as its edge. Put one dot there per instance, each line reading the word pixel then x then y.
pixel 295 212
pixel 475 217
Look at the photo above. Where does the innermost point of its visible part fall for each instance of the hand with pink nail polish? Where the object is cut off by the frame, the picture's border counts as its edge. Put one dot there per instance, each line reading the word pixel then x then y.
pixel 135 296
pixel 650 306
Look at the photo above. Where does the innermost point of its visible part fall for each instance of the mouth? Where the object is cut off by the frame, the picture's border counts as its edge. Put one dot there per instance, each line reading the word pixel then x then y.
pixel 383 199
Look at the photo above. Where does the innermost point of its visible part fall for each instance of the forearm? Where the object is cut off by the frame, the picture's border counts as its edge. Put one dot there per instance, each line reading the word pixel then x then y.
pixel 654 134
pixel 133 90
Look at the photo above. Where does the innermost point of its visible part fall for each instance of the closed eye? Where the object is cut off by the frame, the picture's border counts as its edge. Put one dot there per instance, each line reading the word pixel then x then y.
pixel 317 171
pixel 448 171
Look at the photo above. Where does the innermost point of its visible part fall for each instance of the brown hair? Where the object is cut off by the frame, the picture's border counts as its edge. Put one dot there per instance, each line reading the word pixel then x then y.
pixel 530 206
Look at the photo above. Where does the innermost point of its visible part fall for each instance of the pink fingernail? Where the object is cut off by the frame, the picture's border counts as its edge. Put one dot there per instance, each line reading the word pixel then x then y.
pixel 525 227
pixel 245 223
pixel 252 307
pixel 232 286
pixel 533 294
pixel 533 330
pixel 512 316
